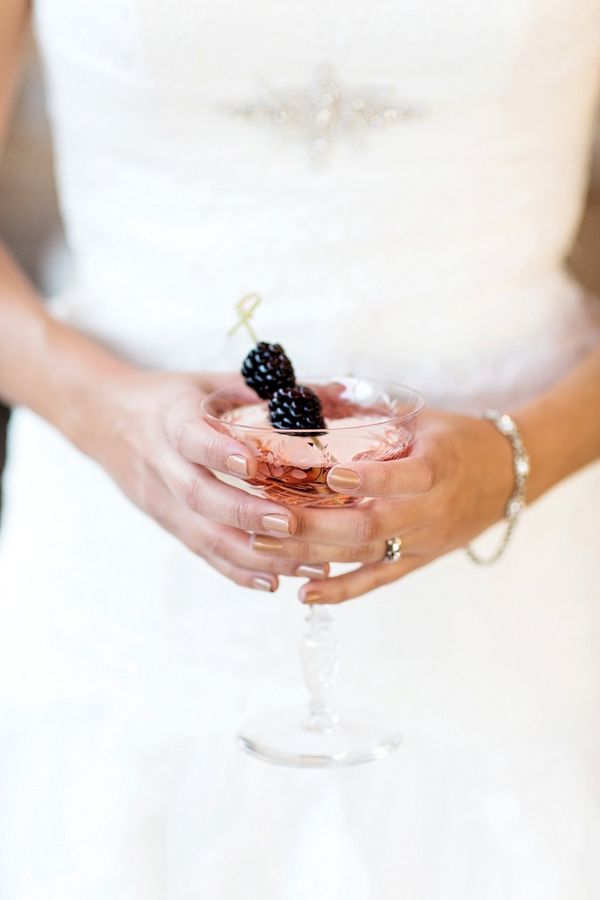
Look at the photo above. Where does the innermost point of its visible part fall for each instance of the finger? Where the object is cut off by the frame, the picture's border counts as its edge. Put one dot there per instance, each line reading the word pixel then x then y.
pixel 388 478
pixel 203 493
pixel 303 551
pixel 234 546
pixel 360 581
pixel 205 538
pixel 198 442
pixel 368 523
pixel 259 581
pixel 194 534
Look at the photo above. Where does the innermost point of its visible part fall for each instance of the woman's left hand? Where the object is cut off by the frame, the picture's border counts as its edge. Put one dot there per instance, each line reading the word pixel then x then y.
pixel 453 486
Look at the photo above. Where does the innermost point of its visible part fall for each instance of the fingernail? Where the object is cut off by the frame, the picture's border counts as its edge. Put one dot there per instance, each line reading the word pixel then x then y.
pixel 276 524
pixel 344 479
pixel 262 584
pixel 312 597
pixel 266 544
pixel 315 571
pixel 237 465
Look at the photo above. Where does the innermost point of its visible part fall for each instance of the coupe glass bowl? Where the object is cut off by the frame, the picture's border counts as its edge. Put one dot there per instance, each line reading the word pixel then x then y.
pixel 364 419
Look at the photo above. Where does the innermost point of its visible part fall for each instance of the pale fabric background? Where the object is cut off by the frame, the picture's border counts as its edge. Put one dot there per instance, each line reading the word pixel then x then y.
pixel 30 222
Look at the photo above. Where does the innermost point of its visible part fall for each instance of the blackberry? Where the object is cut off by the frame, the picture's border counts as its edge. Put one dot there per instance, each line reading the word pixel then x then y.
pixel 296 407
pixel 267 368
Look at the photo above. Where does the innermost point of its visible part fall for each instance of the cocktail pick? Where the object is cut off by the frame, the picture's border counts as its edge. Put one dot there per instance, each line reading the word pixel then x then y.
pixel 245 308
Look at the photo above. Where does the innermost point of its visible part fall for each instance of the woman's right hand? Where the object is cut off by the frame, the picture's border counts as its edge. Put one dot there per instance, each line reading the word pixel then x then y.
pixel 154 443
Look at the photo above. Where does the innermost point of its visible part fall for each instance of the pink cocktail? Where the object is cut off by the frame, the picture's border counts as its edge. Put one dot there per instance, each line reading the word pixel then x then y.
pixel 365 420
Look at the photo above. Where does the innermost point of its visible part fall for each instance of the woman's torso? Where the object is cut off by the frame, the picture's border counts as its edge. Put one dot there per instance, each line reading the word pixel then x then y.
pixel 426 243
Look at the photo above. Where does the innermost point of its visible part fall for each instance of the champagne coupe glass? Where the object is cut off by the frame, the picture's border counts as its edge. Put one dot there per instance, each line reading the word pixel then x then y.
pixel 365 420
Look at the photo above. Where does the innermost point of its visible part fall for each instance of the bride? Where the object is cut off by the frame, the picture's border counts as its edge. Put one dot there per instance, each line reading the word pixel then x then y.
pixel 402 184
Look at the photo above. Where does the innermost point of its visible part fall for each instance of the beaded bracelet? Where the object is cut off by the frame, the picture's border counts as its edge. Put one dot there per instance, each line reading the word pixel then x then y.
pixel 507 426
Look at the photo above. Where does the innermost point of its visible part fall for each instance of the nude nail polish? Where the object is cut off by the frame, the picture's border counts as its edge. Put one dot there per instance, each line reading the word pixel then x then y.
pixel 262 584
pixel 276 524
pixel 264 544
pixel 344 479
pixel 312 597
pixel 313 571
pixel 237 465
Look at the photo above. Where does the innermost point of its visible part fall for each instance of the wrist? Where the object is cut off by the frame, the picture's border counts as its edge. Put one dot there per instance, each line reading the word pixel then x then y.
pixel 561 428
pixel 80 386
pixel 541 430
pixel 497 481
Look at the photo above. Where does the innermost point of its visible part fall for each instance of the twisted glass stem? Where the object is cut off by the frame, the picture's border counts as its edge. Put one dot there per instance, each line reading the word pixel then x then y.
pixel 320 659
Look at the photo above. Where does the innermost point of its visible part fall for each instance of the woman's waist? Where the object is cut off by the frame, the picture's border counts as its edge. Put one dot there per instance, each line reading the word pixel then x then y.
pixel 461 349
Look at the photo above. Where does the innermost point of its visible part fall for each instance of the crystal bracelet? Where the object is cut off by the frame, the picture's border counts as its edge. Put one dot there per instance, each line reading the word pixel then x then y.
pixel 507 426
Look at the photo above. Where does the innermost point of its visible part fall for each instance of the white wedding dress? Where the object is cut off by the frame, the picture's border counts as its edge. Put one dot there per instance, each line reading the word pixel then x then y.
pixel 417 231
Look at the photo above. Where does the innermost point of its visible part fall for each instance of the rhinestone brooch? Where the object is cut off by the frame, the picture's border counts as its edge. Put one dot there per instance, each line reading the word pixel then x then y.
pixel 324 112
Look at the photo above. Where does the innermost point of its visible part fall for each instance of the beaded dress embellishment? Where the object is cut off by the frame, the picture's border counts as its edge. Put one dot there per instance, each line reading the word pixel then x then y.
pixel 325 111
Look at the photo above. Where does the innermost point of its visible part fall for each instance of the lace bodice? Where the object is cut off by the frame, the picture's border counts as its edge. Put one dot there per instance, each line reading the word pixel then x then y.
pixel 405 211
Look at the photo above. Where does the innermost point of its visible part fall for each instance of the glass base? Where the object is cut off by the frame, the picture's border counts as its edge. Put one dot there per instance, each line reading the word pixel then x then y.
pixel 289 740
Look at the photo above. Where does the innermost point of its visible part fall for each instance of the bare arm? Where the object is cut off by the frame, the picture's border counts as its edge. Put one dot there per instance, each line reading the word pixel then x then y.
pixel 144 428
pixel 561 428
pixel 43 365
pixel 20 311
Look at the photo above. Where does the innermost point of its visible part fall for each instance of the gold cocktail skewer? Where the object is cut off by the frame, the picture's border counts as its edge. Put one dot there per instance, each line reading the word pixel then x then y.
pixel 245 308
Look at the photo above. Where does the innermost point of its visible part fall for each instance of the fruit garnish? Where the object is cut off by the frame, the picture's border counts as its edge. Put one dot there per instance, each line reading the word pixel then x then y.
pixel 267 369
pixel 297 408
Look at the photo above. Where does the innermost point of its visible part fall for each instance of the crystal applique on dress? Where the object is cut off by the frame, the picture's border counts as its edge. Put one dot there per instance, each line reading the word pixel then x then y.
pixel 325 111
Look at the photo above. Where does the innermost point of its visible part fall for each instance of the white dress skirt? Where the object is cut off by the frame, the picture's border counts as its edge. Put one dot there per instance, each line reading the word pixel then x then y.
pixel 402 183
